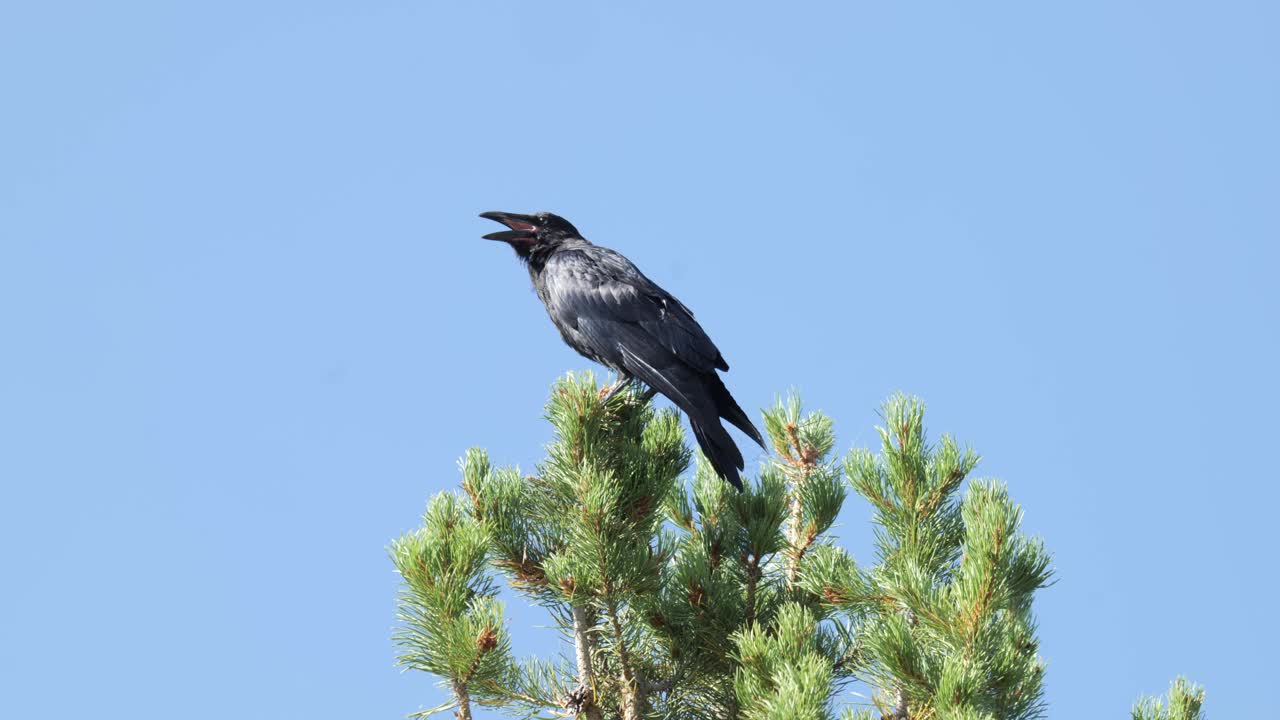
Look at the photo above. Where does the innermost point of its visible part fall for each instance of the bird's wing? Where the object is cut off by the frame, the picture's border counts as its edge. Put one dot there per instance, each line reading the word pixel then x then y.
pixel 604 296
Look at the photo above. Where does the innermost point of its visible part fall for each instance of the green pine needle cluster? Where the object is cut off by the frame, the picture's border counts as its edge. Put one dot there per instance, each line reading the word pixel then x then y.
pixel 684 598
pixel 1183 703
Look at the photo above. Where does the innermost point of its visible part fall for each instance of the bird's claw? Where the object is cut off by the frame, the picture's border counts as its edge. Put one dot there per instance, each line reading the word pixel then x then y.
pixel 608 391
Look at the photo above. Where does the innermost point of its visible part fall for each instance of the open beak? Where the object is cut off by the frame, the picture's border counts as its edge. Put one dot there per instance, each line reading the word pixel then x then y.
pixel 523 227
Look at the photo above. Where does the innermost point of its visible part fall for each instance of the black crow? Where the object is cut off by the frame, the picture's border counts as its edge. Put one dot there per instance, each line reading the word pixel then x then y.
pixel 608 311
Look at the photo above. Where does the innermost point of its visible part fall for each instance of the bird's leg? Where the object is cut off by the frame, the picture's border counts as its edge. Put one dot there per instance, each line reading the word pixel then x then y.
pixel 624 381
pixel 607 392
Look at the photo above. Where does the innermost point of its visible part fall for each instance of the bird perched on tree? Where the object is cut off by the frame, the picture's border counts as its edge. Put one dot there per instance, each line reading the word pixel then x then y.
pixel 608 311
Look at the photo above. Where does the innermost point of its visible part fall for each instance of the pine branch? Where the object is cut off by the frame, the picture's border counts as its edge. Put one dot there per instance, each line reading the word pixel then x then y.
pixel 633 695
pixel 583 699
pixel 900 707
pixel 814 493
pixel 463 699
pixel 753 581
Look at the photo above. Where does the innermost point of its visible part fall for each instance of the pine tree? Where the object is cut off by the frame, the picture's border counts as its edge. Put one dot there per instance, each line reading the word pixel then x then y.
pixel 684 599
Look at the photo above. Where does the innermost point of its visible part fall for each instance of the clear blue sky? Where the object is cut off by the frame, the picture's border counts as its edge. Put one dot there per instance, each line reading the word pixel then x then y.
pixel 249 325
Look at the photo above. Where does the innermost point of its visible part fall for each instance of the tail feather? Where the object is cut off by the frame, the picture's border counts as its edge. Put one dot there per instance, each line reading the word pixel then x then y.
pixel 704 399
pixel 719 449
pixel 729 409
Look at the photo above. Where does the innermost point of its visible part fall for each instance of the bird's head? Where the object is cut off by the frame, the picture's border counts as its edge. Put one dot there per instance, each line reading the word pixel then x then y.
pixel 529 232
